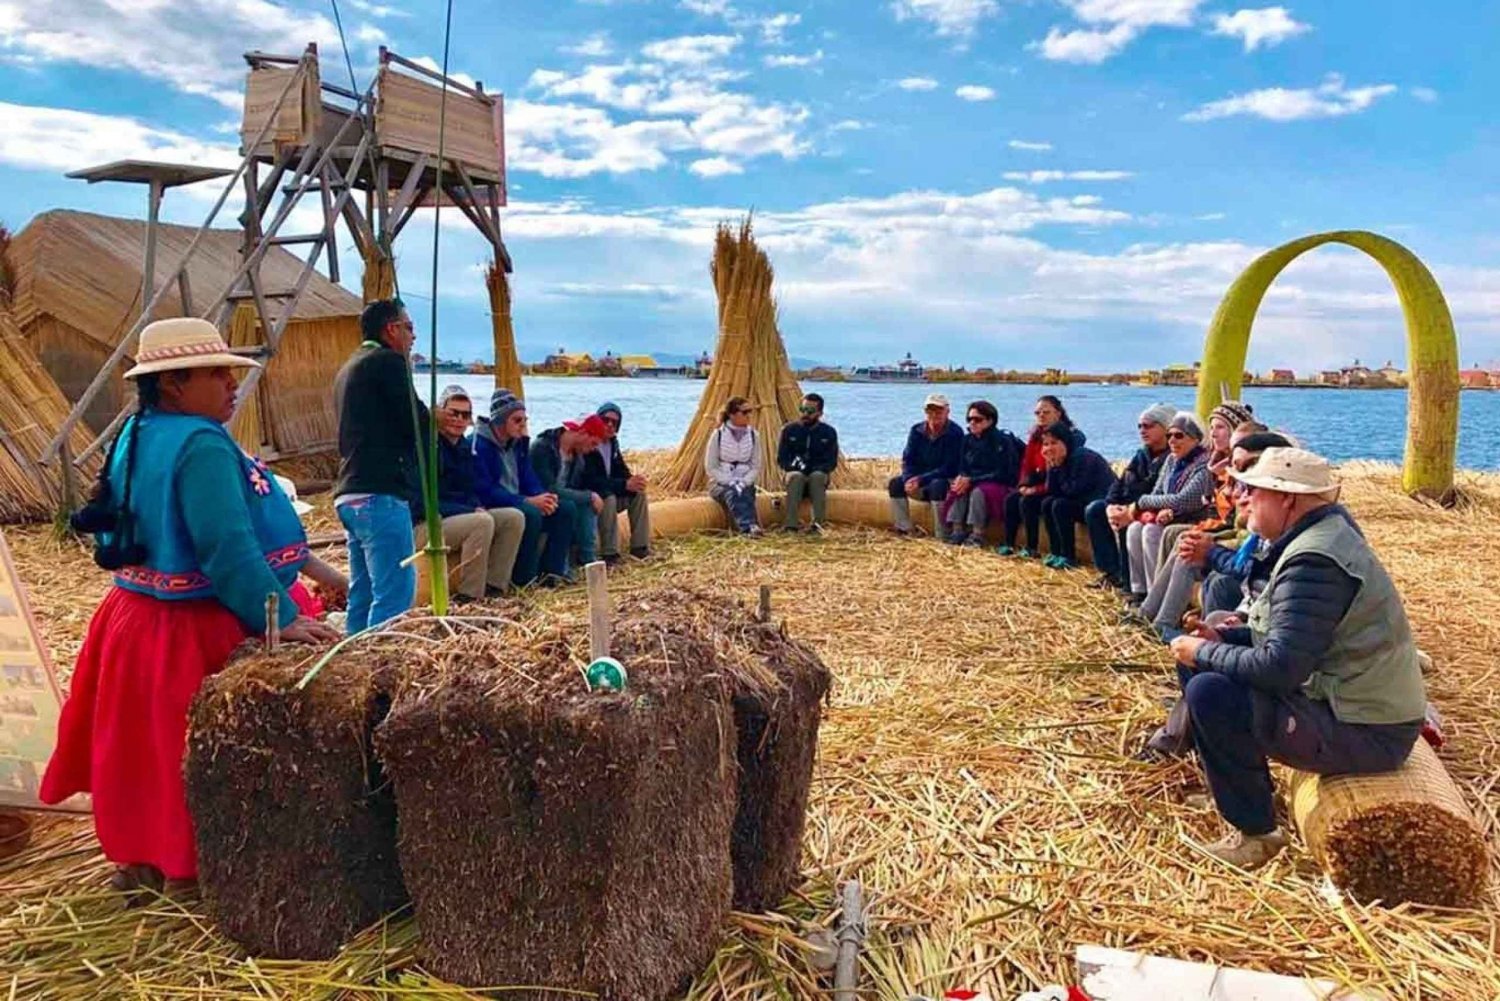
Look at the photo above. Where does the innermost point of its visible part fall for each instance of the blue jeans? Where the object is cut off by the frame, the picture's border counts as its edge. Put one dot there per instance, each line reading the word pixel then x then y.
pixel 739 503
pixel 380 538
pixel 1106 543
pixel 531 560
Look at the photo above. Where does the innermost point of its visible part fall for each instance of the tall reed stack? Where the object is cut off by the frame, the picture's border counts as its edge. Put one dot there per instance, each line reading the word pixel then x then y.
pixel 32 408
pixel 380 276
pixel 750 360
pixel 507 362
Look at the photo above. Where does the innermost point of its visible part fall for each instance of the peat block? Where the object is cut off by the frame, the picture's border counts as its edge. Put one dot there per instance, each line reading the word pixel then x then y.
pixel 554 837
pixel 295 822
pixel 777 692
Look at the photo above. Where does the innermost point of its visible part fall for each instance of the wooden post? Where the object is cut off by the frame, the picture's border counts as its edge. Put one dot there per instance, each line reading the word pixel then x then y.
pixel 598 586
pixel 851 934
pixel 148 272
pixel 273 622
pixel 765 603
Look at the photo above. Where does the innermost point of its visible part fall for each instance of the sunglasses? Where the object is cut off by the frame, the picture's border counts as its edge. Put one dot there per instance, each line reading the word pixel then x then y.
pixel 1144 426
pixel 465 414
pixel 977 419
pixel 808 410
pixel 611 422
pixel 1176 435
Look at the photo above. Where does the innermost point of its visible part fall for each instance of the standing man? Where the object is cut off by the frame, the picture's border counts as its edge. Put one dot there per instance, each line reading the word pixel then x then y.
pixel 557 457
pixel 929 462
pixel 378 483
pixel 1107 519
pixel 607 474
pixel 487 540
pixel 808 453
pixel 503 478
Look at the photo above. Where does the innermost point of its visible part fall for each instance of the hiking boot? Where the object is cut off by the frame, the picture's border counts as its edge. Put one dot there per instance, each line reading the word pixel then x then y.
pixel 1247 851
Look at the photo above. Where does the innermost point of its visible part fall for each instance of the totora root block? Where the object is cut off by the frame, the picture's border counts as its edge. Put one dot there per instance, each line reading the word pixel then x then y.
pixel 295 823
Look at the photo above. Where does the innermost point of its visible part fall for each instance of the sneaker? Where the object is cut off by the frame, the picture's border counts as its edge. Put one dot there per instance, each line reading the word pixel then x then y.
pixel 1104 582
pixel 896 530
pixel 955 538
pixel 1005 550
pixel 755 531
pixel 641 553
pixel 1247 851
pixel 974 540
pixel 1133 617
pixel 1025 554
pixel 611 559
pixel 815 528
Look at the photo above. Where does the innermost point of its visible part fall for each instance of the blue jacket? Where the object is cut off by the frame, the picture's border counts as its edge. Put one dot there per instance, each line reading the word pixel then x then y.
pixel 929 459
pixel 456 483
pixel 1085 476
pixel 1138 478
pixel 488 468
pixel 992 457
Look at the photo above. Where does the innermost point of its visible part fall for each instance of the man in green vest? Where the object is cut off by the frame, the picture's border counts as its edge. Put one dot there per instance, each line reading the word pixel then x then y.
pixel 1322 677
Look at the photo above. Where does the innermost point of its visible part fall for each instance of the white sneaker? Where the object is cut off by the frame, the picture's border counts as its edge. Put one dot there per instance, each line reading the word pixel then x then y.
pixel 1248 851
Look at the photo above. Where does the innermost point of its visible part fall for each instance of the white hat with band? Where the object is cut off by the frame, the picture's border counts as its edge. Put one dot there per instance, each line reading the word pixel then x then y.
pixel 1290 471
pixel 186 342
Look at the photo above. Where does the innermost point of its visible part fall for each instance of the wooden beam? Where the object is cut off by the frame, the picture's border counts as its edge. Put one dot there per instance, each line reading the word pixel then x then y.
pixel 411 210
pixel 391 57
pixel 330 229
pixel 480 217
pixel 413 178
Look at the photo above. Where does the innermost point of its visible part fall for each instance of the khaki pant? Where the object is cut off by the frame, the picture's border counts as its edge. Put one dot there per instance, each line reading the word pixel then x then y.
pixel 609 524
pixel 487 543
pixel 814 485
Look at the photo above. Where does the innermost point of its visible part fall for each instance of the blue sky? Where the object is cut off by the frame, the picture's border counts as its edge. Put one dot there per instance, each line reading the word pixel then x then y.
pixel 983 182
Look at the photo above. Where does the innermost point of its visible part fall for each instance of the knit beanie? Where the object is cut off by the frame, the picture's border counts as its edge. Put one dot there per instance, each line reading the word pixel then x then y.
pixel 453 392
pixel 1188 425
pixel 1063 432
pixel 1233 412
pixel 1158 413
pixel 503 403
pixel 610 408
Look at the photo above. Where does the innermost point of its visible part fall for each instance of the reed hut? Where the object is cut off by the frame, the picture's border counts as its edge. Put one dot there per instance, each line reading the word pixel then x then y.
pixel 750 360
pixel 77 291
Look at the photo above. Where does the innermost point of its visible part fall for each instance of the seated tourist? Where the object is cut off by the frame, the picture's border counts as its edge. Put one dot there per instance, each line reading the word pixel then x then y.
pixel 1024 505
pixel 732 462
pixel 1325 677
pixel 487 540
pixel 1076 477
pixel 503 478
pixel 808 453
pixel 929 462
pixel 557 457
pixel 1108 519
pixel 987 470
pixel 1181 493
pixel 607 474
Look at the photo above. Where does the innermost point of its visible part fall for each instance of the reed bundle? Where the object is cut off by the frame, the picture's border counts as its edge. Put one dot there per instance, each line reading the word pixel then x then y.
pixel 750 361
pixel 379 280
pixel 32 409
pixel 974 773
pixel 507 362
pixel 248 426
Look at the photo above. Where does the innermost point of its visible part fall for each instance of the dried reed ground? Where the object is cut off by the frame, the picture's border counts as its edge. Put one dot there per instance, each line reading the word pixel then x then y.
pixel 973 773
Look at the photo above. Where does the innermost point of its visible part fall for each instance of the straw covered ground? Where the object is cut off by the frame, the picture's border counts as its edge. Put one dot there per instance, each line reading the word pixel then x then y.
pixel 974 773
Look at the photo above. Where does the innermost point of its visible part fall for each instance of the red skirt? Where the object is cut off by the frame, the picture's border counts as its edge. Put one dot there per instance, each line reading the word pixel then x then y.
pixel 123 729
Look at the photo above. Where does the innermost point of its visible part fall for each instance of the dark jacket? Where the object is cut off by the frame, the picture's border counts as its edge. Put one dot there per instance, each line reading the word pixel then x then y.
pixel 1084 477
pixel 930 459
pixel 456 493
pixel 1139 477
pixel 992 457
pixel 808 448
pixel 606 478
pixel 488 468
pixel 373 396
pixel 555 472
pixel 1312 595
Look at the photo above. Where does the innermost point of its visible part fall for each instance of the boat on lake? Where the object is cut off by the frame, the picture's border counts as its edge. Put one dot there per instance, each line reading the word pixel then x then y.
pixel 907 369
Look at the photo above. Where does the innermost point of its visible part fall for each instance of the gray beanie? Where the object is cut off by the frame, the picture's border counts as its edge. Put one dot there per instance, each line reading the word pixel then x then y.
pixel 610 408
pixel 503 403
pixel 1158 413
pixel 1188 424
pixel 454 392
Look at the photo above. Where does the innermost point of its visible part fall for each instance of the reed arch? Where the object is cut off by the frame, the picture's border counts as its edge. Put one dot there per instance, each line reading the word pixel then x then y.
pixel 1432 350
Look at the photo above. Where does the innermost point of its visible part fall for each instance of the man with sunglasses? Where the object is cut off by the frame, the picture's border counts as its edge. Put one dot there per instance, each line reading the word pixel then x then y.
pixel 1108 519
pixel 607 474
pixel 808 453
pixel 929 463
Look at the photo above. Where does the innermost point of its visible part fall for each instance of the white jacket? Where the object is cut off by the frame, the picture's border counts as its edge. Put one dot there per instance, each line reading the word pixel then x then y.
pixel 731 463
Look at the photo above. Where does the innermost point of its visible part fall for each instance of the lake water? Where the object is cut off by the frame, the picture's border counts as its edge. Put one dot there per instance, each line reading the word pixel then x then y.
pixel 873 418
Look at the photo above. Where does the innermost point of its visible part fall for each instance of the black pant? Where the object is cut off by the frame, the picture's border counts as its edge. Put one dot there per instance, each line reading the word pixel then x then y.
pixel 934 489
pixel 1108 544
pixel 1028 508
pixel 1061 514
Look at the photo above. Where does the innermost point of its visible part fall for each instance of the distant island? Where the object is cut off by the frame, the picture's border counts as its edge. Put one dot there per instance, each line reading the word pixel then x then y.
pixel 908 369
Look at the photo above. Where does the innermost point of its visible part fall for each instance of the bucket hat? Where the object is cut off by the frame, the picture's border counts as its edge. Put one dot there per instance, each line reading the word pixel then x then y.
pixel 1290 471
pixel 186 342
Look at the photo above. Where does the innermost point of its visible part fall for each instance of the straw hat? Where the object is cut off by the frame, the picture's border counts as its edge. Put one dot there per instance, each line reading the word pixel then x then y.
pixel 188 342
pixel 1290 471
pixel 289 488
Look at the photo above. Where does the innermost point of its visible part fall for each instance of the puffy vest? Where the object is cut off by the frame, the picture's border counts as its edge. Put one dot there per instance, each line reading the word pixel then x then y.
pixel 1370 672
pixel 171 570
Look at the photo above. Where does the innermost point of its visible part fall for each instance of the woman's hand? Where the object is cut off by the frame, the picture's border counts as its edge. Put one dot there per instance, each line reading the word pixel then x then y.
pixel 1164 516
pixel 961 485
pixel 1185 649
pixel 305 630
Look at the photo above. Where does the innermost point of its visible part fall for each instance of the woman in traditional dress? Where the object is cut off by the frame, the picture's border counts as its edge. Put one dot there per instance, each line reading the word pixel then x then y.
pixel 198 535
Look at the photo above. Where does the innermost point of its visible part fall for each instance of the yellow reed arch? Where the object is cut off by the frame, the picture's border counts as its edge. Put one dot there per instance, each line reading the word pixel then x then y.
pixel 1432 350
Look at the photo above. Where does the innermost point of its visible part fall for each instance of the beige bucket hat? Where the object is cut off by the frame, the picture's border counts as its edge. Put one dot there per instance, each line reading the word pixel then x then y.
pixel 1291 471
pixel 187 342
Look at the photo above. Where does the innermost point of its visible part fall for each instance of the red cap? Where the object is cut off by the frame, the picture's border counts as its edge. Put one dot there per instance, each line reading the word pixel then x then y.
pixel 593 425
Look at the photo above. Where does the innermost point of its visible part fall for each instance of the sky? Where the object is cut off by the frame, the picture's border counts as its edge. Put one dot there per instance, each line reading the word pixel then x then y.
pixel 1003 183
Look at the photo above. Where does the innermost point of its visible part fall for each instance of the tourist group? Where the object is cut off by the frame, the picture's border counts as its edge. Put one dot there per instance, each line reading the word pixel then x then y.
pixel 1299 652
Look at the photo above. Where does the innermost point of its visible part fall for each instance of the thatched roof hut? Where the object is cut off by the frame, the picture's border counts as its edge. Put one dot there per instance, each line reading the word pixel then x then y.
pixel 77 291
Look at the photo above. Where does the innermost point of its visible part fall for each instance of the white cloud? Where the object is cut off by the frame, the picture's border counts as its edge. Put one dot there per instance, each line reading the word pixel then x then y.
pixel 975 92
pixel 917 83
pixel 1084 45
pixel 566 140
pixel 1136 13
pixel 848 125
pixel 595 46
pixel 377 9
pixel 716 166
pixel 1266 26
pixel 1424 94
pixel 1030 147
pixel 708 8
pixel 811 59
pixel 39 138
pixel 370 34
pixel 427 62
pixel 949 18
pixel 192 45
pixel 1331 99
pixel 1048 176
pixel 1210 217
pixel 691 50
pixel 773 29
pixel 1112 25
